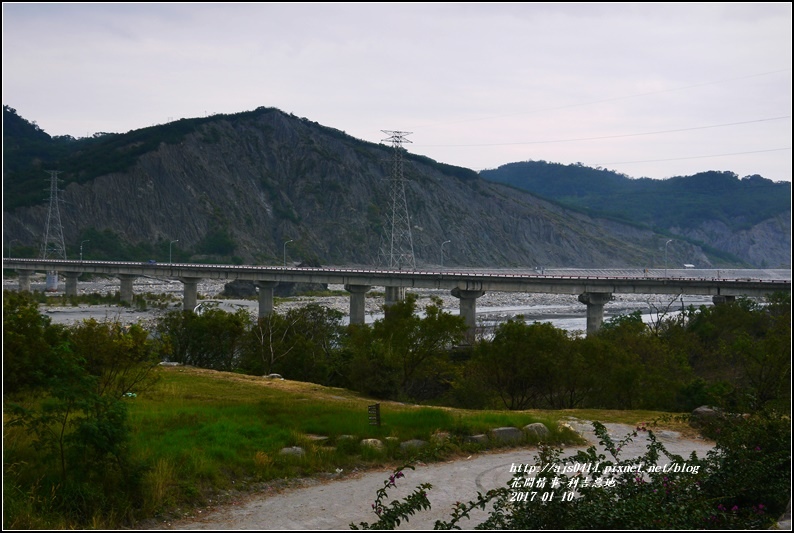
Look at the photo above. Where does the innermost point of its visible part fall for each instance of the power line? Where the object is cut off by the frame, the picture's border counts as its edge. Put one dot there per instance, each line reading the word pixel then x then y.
pixel 692 157
pixel 610 136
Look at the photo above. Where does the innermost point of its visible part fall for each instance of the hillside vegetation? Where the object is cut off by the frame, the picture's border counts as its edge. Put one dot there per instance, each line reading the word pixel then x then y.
pixel 235 188
pixel 699 206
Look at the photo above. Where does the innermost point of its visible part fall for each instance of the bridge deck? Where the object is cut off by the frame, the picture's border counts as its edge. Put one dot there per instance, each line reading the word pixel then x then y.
pixel 649 282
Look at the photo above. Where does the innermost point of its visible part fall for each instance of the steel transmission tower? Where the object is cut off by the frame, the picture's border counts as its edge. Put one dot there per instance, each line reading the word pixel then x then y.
pixel 399 251
pixel 53 246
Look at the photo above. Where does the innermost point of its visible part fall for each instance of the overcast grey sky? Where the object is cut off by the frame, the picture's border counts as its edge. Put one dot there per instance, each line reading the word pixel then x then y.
pixel 650 90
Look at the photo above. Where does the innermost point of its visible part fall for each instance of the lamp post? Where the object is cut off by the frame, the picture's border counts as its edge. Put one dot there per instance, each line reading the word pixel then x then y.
pixel 81 248
pixel 665 256
pixel 169 250
pixel 9 246
pixel 285 251
pixel 442 252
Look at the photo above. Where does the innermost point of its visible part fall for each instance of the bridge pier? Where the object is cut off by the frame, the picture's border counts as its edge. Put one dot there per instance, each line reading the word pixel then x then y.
pixel 719 299
pixel 126 287
pixel 358 308
pixel 24 280
pixel 71 282
pixel 190 295
pixel 468 310
pixel 393 296
pixel 595 308
pixel 265 297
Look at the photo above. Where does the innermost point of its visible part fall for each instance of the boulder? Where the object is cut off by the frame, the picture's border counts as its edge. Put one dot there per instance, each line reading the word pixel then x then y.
pixel 292 450
pixel 372 443
pixel 413 444
pixel 476 439
pixel 705 415
pixel 537 431
pixel 507 434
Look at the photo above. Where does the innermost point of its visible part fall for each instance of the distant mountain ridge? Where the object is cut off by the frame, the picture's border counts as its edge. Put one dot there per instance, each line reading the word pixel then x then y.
pixel 748 217
pixel 239 187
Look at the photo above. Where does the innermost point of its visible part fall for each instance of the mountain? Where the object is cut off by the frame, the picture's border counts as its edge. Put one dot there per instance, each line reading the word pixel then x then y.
pixel 241 187
pixel 748 217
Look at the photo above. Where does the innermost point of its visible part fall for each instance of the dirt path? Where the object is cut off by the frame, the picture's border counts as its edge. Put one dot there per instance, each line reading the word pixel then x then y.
pixel 334 505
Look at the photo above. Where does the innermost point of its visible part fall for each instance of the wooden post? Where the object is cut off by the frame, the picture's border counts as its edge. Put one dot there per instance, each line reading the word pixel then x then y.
pixel 374 415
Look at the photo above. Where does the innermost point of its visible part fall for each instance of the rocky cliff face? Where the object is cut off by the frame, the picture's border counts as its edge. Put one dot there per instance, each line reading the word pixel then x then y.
pixel 765 245
pixel 271 178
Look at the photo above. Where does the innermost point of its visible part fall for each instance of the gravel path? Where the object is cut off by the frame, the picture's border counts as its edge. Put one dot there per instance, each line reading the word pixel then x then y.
pixel 333 505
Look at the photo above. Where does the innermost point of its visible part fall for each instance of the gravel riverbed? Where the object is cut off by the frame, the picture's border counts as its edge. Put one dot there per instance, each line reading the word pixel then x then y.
pixel 561 309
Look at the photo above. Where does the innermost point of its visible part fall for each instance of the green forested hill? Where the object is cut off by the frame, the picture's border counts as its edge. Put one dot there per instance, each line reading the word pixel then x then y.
pixel 685 201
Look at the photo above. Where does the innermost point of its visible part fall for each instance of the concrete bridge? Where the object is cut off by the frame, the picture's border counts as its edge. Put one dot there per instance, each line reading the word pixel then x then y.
pixel 593 291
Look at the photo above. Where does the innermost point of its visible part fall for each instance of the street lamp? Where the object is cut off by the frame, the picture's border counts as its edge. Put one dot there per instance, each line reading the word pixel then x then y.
pixel 285 251
pixel 665 256
pixel 442 252
pixel 9 246
pixel 169 250
pixel 81 248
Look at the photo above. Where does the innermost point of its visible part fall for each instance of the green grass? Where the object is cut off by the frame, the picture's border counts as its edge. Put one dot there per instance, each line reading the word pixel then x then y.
pixel 202 432
pixel 202 435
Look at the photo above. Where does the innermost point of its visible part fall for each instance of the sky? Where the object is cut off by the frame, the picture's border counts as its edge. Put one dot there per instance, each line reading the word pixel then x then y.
pixel 648 90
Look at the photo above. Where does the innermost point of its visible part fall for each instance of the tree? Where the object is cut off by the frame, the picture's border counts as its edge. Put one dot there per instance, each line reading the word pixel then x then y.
pixel 212 339
pixel 419 346
pixel 404 353
pixel 520 364
pixel 121 358
pixel 745 348
pixel 29 339
pixel 301 344
pixel 75 413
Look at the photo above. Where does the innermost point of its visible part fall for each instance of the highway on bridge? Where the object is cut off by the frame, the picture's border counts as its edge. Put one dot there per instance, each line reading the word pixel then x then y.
pixel 467 285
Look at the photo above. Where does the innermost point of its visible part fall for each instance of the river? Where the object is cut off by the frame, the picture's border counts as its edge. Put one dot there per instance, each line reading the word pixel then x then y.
pixel 563 311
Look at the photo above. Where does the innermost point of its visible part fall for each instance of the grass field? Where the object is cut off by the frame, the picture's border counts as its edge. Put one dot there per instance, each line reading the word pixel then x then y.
pixel 205 432
pixel 201 435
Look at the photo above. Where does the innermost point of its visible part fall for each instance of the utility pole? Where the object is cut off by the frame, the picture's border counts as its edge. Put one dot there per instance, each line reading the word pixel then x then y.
pixel 399 251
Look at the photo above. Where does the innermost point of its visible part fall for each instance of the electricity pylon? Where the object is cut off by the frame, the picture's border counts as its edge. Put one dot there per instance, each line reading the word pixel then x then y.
pixel 398 253
pixel 53 246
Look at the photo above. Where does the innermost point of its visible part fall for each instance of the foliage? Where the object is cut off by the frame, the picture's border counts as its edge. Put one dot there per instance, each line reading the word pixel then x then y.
pixel 71 410
pixel 369 367
pixel 524 366
pixel 638 369
pixel 404 353
pixel 29 340
pixel 299 345
pixel 213 339
pixel 28 152
pixel 684 201
pixel 217 241
pixel 742 351
pixel 121 358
